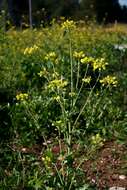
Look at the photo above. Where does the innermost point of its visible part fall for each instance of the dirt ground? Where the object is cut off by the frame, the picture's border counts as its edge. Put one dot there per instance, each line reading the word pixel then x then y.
pixel 109 168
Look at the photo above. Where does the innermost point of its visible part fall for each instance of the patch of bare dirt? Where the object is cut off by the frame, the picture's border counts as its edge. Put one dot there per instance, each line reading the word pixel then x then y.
pixel 109 168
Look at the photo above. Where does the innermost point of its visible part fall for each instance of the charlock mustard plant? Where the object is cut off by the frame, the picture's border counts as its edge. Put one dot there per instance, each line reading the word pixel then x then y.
pixel 66 92
pixel 22 96
pixel 65 125
pixel 68 25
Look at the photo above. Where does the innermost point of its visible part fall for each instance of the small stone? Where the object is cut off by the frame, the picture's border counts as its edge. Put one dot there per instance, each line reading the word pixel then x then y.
pixel 24 149
pixel 117 188
pixel 122 177
pixel 93 180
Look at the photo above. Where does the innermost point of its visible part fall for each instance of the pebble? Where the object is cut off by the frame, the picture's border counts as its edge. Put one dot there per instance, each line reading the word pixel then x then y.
pixel 117 188
pixel 122 177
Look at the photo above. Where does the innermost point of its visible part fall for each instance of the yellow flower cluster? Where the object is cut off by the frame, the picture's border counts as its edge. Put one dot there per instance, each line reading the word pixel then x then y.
pixel 51 56
pixel 109 80
pixel 68 25
pixel 78 55
pixel 22 96
pixel 97 140
pixel 87 60
pixel 99 64
pixel 57 98
pixel 57 83
pixel 30 50
pixel 46 159
pixel 87 79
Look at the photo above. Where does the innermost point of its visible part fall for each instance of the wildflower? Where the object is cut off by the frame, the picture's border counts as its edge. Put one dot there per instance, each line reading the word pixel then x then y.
pixel 87 80
pixel 22 96
pixel 57 98
pixel 30 50
pixel 55 74
pixel 68 25
pixel 79 55
pixel 47 159
pixel 99 64
pixel 51 56
pixel 109 80
pixel 42 73
pixel 87 60
pixel 57 83
pixel 97 140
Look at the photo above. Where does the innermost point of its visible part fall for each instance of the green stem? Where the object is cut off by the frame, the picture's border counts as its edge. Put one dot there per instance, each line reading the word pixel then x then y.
pixel 81 111
pixel 81 87
pixel 58 174
pixel 71 62
pixel 78 75
pixel 69 137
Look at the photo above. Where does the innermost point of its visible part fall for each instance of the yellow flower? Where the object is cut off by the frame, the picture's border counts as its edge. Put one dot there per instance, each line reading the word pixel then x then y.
pixel 99 64
pixel 68 25
pixel 87 60
pixel 97 140
pixel 30 50
pixel 47 159
pixel 79 55
pixel 109 80
pixel 55 74
pixel 87 80
pixel 51 56
pixel 43 73
pixel 57 98
pixel 22 96
pixel 57 83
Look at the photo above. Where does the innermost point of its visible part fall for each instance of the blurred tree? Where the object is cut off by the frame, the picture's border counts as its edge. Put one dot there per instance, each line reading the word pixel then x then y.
pixel 124 13
pixel 45 10
pixel 87 9
pixel 56 8
pixel 107 10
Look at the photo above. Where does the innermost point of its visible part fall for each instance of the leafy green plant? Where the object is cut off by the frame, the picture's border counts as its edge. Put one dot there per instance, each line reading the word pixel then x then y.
pixel 64 99
pixel 73 98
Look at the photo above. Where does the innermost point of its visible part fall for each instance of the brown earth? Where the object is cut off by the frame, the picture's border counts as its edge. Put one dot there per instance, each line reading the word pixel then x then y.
pixel 109 168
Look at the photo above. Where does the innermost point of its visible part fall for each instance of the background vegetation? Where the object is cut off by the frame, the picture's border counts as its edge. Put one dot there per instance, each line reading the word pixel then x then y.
pixel 102 11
